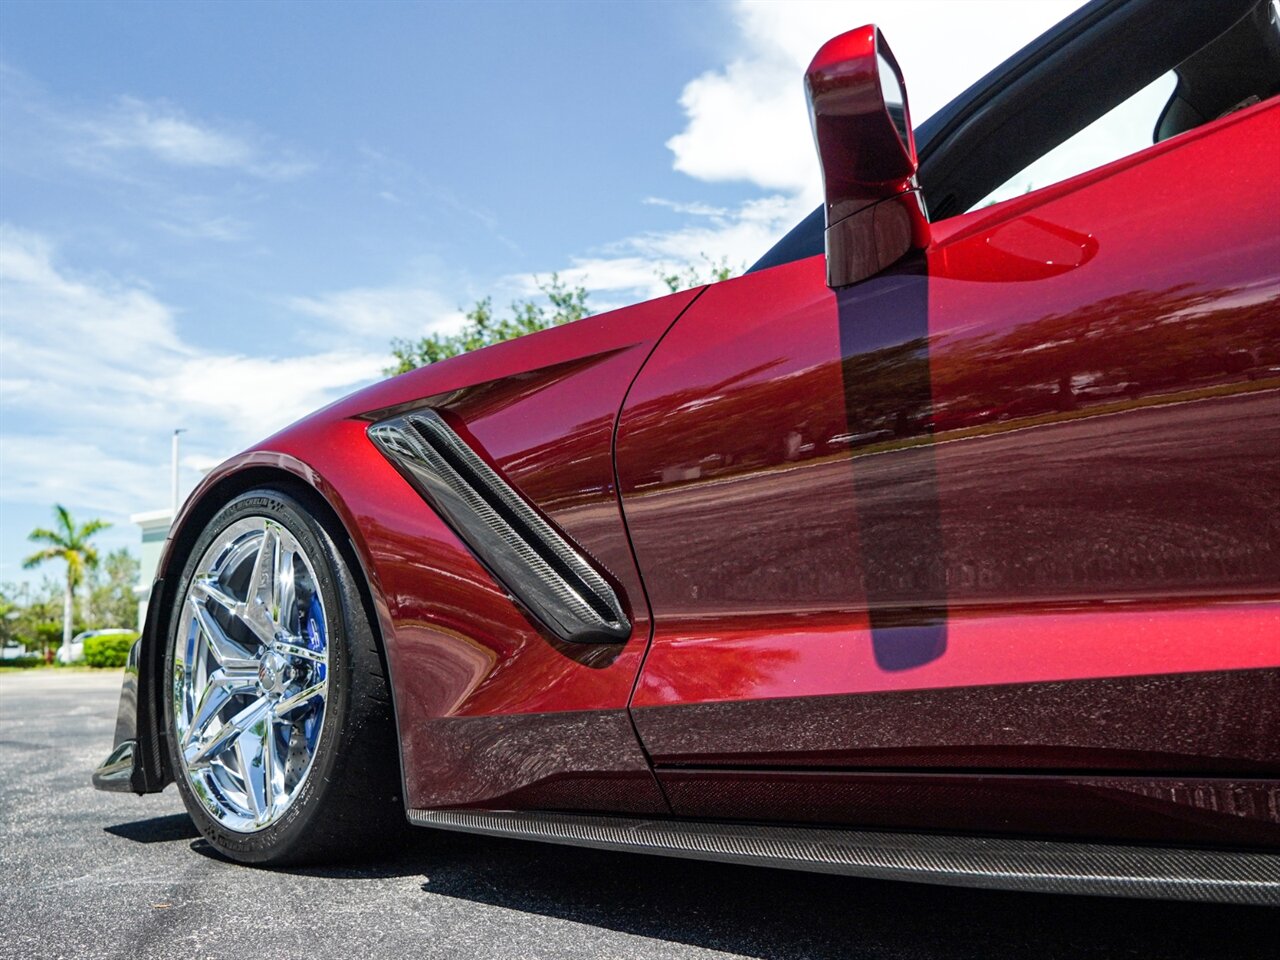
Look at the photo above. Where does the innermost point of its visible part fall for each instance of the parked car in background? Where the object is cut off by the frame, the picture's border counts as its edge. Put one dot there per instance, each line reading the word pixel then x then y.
pixel 941 545
pixel 73 652
pixel 14 651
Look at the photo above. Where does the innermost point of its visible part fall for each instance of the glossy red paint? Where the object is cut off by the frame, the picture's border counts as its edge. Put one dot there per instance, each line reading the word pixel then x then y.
pixel 1053 463
pixel 628 330
pixel 1219 723
pixel 988 542
pixel 1168 810
pixel 488 707
pixel 867 155
pixel 819 654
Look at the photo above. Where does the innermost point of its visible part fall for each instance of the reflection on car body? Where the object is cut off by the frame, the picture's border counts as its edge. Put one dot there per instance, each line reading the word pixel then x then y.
pixel 944 544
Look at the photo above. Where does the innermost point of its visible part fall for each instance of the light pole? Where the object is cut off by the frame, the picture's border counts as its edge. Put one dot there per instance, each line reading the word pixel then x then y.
pixel 173 472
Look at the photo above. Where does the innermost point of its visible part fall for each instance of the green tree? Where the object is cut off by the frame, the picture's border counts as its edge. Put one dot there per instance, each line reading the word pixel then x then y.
pixel 484 327
pixel 693 275
pixel 111 596
pixel 29 612
pixel 69 542
pixel 10 611
pixel 45 637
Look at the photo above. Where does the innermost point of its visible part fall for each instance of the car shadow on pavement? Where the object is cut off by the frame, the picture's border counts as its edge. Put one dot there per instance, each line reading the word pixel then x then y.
pixel 406 853
pixel 760 912
pixel 177 826
pixel 771 913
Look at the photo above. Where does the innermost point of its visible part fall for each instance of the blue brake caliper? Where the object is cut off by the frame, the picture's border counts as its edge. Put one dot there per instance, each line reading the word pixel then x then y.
pixel 313 633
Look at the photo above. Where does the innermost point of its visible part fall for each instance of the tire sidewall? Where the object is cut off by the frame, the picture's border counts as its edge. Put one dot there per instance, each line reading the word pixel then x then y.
pixel 275 843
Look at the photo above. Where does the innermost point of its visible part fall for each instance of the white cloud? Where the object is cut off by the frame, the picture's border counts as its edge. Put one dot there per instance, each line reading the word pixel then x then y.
pixel 767 146
pixel 199 217
pixel 165 133
pixel 746 122
pixel 696 209
pixel 253 397
pixel 130 139
pixel 747 119
pixel 199 462
pixel 78 473
pixel 631 269
pixel 380 312
pixel 94 376
pixel 49 315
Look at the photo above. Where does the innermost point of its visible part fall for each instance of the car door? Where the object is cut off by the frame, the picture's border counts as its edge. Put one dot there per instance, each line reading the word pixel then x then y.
pixel 1011 505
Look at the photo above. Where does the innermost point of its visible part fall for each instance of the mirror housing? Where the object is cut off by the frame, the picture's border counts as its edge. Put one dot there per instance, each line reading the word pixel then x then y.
pixel 862 126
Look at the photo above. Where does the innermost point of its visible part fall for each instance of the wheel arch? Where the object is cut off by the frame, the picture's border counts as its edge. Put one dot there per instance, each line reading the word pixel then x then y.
pixel 254 470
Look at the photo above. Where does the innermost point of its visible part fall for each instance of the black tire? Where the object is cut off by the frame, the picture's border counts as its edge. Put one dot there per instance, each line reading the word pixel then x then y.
pixel 349 805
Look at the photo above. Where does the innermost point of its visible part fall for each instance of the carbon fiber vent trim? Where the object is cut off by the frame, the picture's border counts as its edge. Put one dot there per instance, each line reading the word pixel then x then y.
pixel 1030 865
pixel 553 580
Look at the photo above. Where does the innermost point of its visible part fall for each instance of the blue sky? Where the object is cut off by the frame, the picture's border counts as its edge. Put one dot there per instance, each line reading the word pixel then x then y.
pixel 216 216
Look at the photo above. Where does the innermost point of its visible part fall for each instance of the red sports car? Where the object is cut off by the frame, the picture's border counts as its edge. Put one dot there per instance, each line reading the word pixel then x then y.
pixel 942 545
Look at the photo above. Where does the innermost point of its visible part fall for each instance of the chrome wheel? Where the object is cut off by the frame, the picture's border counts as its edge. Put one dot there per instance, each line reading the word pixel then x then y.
pixel 250 674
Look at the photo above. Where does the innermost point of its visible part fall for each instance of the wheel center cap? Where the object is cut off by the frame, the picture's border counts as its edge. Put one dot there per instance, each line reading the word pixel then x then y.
pixel 273 673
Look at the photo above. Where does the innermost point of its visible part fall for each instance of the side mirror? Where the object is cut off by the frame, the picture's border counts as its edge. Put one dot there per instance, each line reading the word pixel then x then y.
pixel 862 126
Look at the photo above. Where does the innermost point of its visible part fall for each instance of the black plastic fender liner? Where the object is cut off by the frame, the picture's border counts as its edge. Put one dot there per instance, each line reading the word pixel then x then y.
pixel 555 581
pixel 136 763
pixel 1046 866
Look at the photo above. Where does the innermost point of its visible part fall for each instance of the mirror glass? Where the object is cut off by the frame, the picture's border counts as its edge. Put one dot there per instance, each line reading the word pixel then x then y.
pixel 895 98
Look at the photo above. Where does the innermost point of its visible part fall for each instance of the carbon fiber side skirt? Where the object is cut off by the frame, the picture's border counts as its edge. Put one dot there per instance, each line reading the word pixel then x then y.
pixel 1007 864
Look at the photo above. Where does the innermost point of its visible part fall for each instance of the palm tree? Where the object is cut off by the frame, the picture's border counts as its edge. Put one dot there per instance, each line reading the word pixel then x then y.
pixel 70 543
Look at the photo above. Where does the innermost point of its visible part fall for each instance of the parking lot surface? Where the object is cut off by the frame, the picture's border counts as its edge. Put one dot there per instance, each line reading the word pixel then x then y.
pixel 88 874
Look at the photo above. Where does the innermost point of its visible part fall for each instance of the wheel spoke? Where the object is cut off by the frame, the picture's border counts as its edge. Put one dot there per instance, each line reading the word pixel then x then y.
pixel 209 589
pixel 302 696
pixel 291 649
pixel 226 651
pixel 257 612
pixel 264 565
pixel 203 751
pixel 219 690
pixel 275 766
pixel 255 753
pixel 283 593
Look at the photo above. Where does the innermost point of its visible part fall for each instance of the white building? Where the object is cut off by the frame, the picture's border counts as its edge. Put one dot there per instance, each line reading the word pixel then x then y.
pixel 155 528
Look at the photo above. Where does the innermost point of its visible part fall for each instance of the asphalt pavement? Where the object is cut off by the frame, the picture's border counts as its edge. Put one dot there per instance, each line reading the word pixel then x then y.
pixel 87 874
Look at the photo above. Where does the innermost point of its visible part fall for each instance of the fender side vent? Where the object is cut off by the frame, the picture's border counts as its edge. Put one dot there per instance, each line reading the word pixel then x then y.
pixel 555 581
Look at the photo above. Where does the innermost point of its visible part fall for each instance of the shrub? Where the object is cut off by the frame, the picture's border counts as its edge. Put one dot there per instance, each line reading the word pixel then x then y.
pixel 108 651
pixel 48 636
